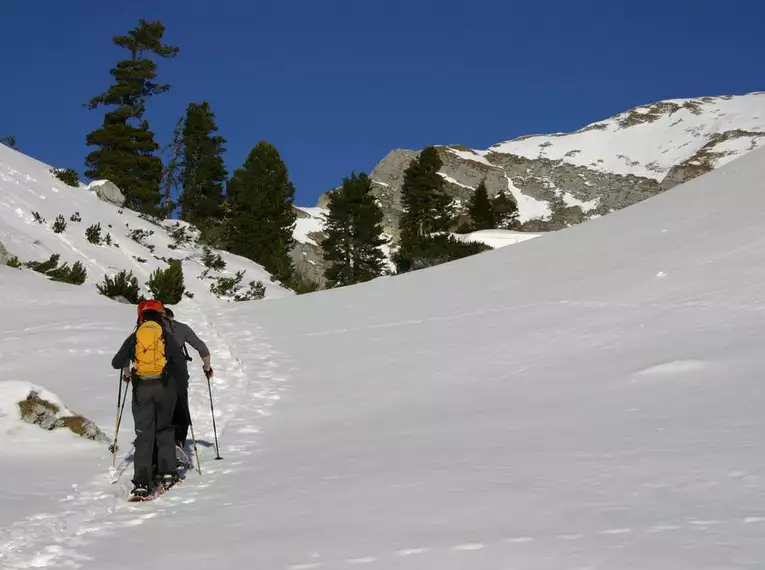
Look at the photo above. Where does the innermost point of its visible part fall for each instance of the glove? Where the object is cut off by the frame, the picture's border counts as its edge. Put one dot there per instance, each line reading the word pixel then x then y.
pixel 208 372
pixel 126 375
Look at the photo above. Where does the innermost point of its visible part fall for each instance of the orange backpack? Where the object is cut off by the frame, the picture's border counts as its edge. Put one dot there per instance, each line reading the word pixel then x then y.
pixel 150 358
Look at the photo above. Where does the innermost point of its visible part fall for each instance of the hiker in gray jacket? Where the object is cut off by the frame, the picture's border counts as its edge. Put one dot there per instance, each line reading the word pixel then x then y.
pixel 183 334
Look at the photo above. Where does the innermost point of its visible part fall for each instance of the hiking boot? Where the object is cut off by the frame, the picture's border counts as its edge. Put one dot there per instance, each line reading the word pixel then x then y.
pixel 169 479
pixel 140 491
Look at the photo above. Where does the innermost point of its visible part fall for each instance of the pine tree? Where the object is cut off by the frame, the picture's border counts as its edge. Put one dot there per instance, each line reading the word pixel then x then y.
pixel 481 211
pixel 354 234
pixel 427 206
pixel 127 148
pixel 202 171
pixel 262 220
pixel 505 211
pixel 166 285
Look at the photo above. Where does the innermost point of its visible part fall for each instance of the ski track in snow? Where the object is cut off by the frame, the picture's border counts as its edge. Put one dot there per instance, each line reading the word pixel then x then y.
pixel 241 395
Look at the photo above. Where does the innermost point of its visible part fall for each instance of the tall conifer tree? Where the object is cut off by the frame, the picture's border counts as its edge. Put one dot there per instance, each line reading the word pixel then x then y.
pixel 202 171
pixel 126 153
pixel 261 217
pixel 354 234
pixel 481 211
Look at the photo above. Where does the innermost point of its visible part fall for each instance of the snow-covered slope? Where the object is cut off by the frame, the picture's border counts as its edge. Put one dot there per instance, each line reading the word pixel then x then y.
pixel 26 186
pixel 649 140
pixel 589 398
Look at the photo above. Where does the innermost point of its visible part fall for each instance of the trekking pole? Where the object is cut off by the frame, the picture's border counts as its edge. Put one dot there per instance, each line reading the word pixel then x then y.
pixel 194 440
pixel 120 408
pixel 215 430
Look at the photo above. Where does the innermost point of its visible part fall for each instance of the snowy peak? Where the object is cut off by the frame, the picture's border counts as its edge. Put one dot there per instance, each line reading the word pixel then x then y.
pixel 648 141
pixel 563 179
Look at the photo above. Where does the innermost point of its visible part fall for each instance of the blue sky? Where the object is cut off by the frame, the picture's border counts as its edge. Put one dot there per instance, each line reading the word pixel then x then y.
pixel 336 85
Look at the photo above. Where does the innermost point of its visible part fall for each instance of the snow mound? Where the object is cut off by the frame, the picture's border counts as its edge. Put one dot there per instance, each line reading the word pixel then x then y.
pixel 649 140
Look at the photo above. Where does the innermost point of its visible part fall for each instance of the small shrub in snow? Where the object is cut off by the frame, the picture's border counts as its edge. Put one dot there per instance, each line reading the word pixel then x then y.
pixel 212 260
pixel 172 246
pixel 120 211
pixel 139 259
pixel 124 285
pixel 139 236
pixel 14 262
pixel 75 275
pixel 255 292
pixel 93 233
pixel 108 239
pixel 180 235
pixel 75 217
pixel 67 175
pixel 59 226
pixel 225 286
pixel 44 266
pixel 38 218
pixel 167 285
pixel 188 294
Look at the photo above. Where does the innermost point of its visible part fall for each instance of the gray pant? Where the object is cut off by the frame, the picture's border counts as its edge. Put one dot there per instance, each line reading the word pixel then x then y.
pixel 153 405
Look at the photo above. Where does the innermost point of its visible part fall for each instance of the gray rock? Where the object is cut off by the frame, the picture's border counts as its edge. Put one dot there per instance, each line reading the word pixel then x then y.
pixel 108 192
pixel 309 262
pixel 36 411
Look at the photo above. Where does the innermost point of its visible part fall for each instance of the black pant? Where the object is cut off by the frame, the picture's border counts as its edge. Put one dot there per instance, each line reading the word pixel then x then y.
pixel 181 416
pixel 153 404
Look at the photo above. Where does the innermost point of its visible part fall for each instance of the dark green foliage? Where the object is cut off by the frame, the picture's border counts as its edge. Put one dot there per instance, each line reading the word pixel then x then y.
pixel 262 219
pixel 255 292
pixel 75 217
pixel 427 206
pixel 67 175
pixel 505 211
pixel 481 211
pixel 354 234
pixel 188 294
pixel 9 141
pixel 108 239
pixel 44 266
pixel 59 226
pixel 14 262
pixel 75 275
pixel 301 284
pixel 167 284
pixel 126 153
pixel 202 171
pixel 124 284
pixel 422 252
pixel 212 260
pixel 225 286
pixel 139 259
pixel 93 233
pixel 38 218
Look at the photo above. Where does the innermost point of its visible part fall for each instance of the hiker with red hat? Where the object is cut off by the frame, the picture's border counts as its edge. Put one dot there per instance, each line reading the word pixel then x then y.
pixel 158 364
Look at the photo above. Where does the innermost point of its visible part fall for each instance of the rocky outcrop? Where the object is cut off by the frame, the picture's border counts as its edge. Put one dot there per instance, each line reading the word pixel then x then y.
pixel 37 411
pixel 309 262
pixel 108 192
